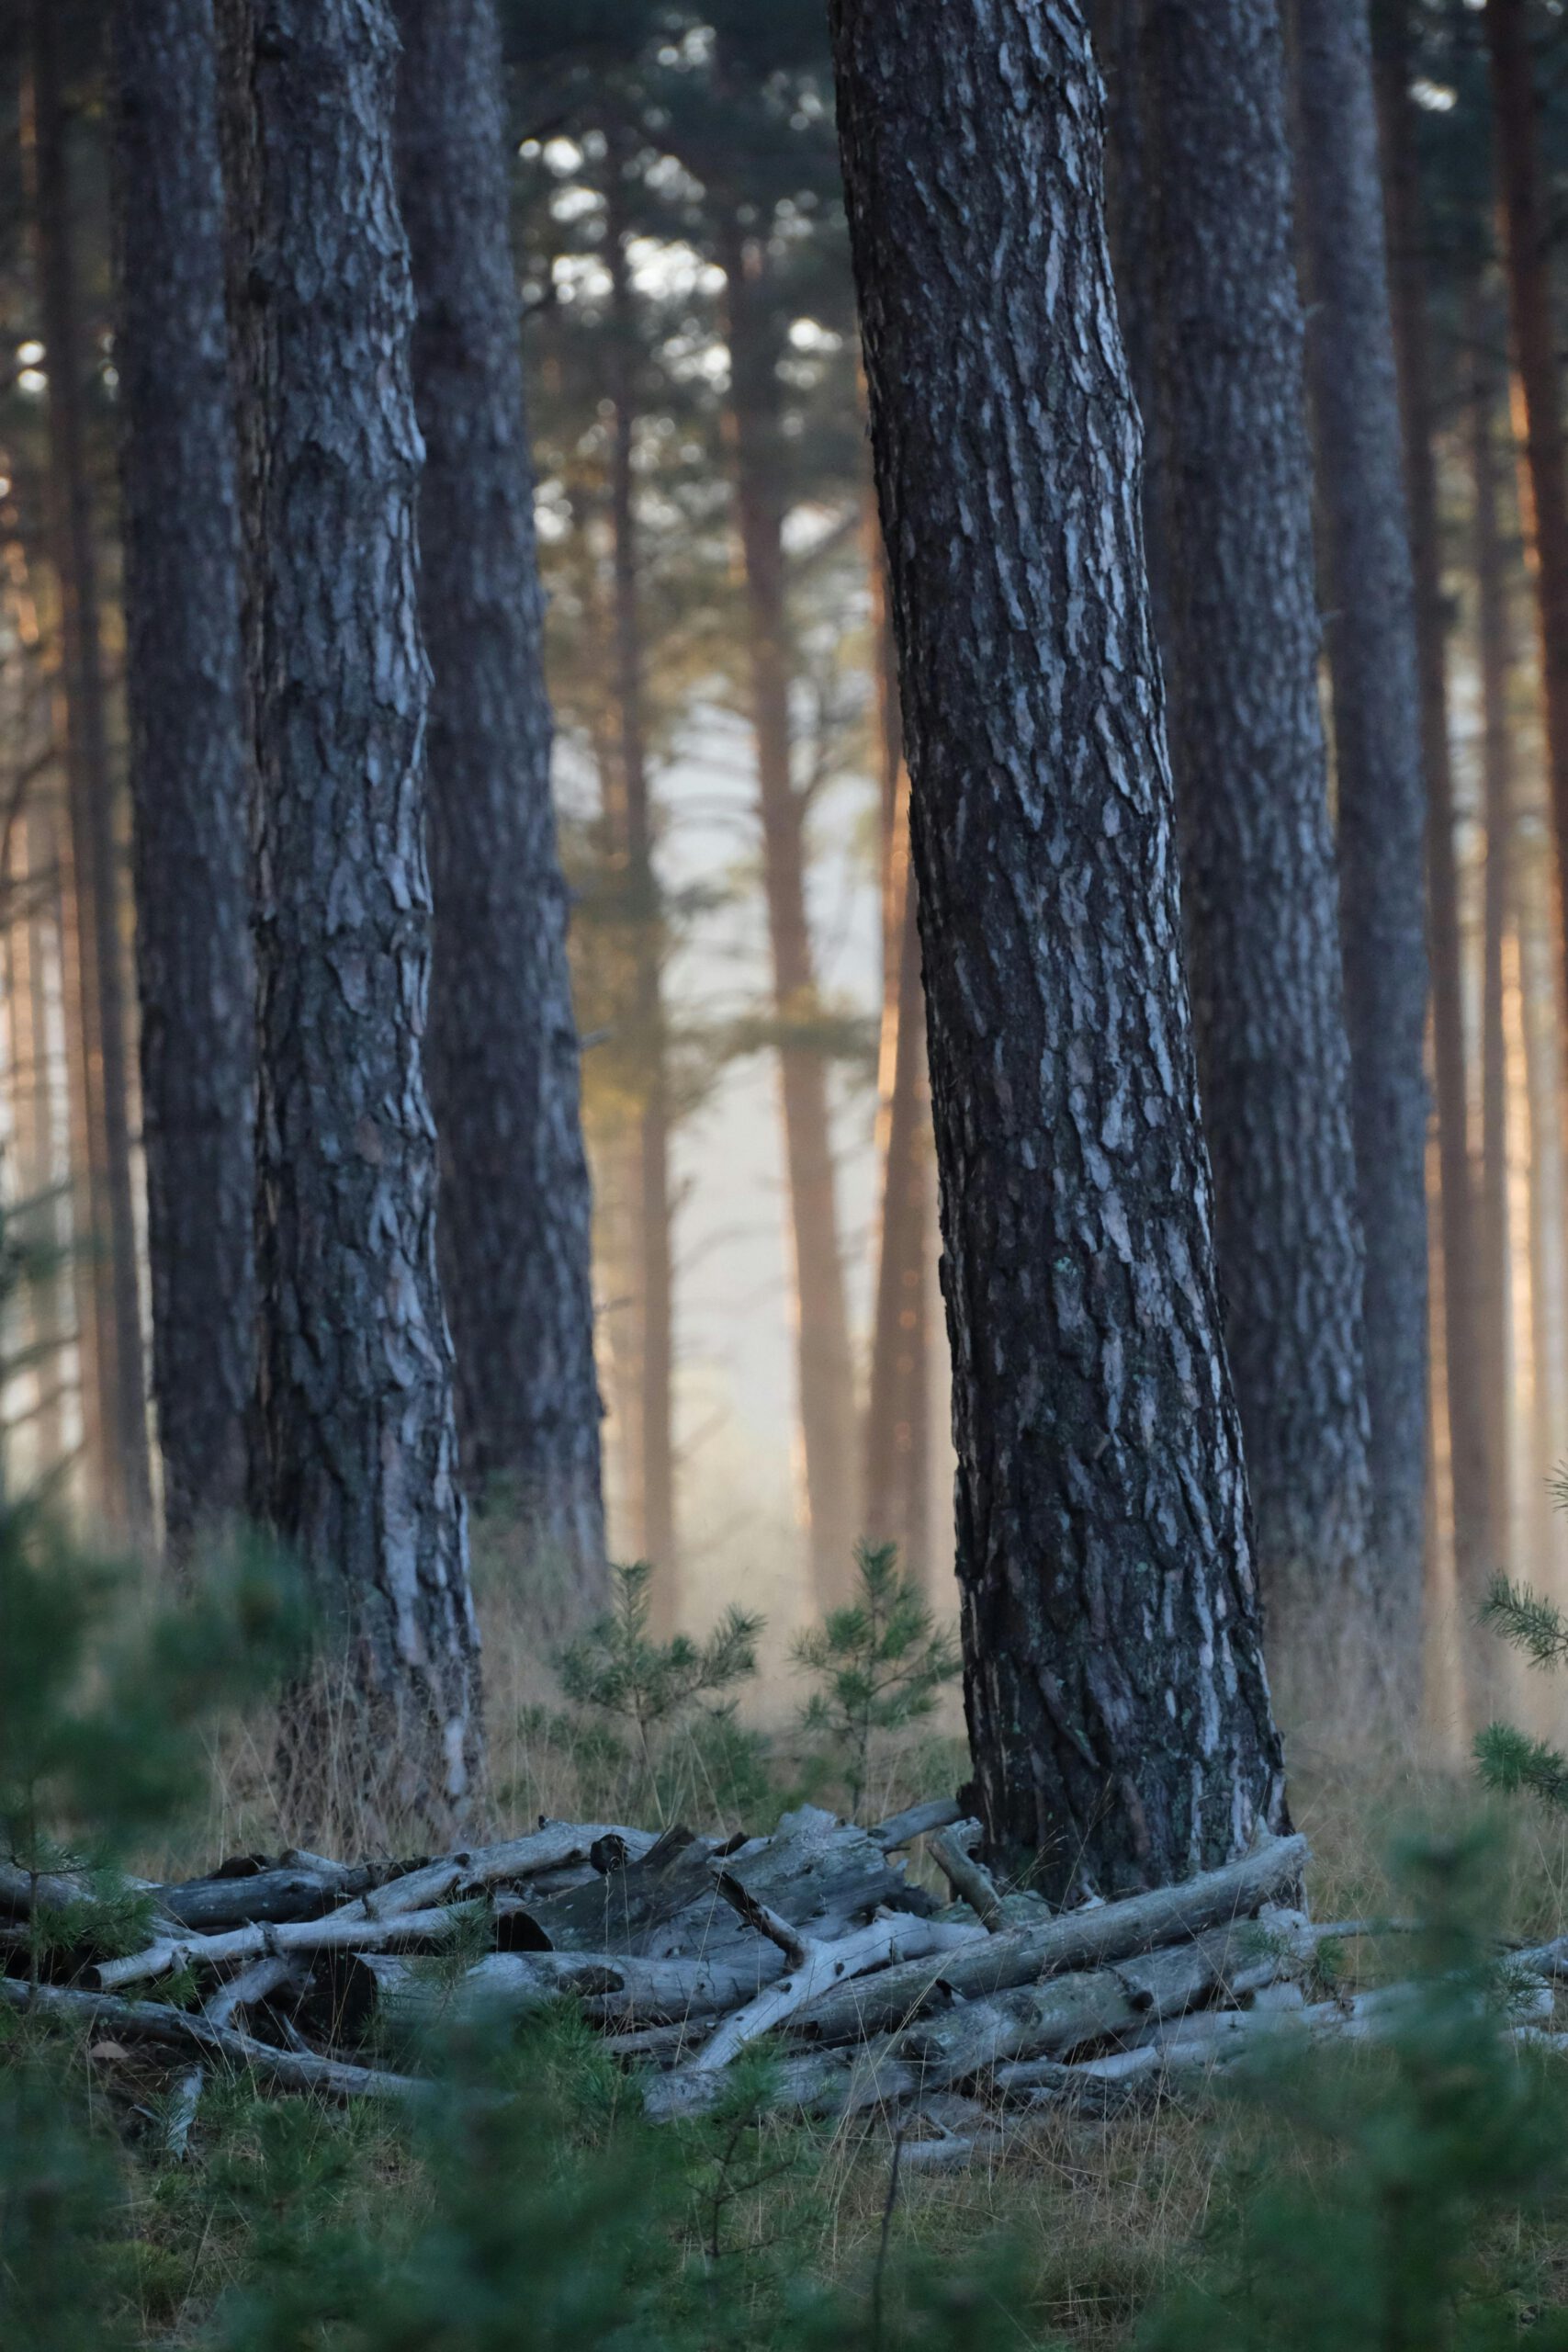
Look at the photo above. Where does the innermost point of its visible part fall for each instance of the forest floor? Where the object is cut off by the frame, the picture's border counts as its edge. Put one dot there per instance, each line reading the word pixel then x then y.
pixel 1077 2237
pixel 559 2216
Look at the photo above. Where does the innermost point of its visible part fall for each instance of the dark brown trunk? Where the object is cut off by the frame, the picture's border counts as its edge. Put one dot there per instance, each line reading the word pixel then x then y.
pixel 107 1227
pixel 824 1371
pixel 1495 658
pixel 189 758
pixel 359 1452
pixel 1467 1410
pixel 1118 1708
pixel 504 1049
pixel 1259 893
pixel 898 1407
pixel 1528 249
pixel 653 1256
pixel 1370 596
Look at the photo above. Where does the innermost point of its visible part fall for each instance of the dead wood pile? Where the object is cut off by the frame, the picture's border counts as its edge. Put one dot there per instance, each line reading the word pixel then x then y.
pixel 683 1950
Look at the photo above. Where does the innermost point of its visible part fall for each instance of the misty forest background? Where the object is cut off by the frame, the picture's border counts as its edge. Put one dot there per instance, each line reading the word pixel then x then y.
pixel 768 1326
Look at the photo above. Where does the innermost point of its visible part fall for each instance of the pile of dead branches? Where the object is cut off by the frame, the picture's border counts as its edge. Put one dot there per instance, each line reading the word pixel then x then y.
pixel 874 1993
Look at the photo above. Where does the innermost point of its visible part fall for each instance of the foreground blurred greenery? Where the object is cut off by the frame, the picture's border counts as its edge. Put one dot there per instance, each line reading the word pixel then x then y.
pixel 1409 2195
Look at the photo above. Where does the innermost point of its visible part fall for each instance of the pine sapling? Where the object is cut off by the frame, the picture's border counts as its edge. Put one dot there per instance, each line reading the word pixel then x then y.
pixel 881 1662
pixel 617 1668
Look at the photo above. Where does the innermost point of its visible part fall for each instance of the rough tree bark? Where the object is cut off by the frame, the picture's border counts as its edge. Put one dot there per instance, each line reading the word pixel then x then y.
pixel 898 1403
pixel 503 1051
pixel 1467 1411
pixel 824 1366
pixel 1494 649
pixel 189 757
pixel 653 1213
pixel 1118 1706
pixel 110 1314
pixel 1239 631
pixel 1371 629
pixel 358 1464
pixel 1528 249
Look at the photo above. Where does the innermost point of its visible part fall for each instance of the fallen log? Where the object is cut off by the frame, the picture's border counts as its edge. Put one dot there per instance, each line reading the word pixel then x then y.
pixel 402 1931
pixel 916 1821
pixel 299 1886
pixel 1073 1939
pixel 172 2028
pixel 1065 2012
pixel 814 1966
pixel 969 1881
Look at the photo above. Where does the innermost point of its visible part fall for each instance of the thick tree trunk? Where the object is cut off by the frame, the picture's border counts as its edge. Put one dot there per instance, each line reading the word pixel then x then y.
pixel 115 1410
pixel 1494 649
pixel 504 1049
pixel 898 1405
pixel 1528 249
pixel 1240 637
pixel 1118 1706
pixel 824 1371
pixel 189 757
pixel 653 1216
pixel 1369 594
pixel 1467 1411
pixel 358 1453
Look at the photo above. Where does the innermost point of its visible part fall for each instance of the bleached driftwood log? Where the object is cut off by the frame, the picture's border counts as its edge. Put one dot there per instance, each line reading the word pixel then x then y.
pixel 815 1966
pixel 1073 1939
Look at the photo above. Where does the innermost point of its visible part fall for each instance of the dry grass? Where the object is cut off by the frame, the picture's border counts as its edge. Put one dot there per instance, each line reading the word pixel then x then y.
pixel 1107 2215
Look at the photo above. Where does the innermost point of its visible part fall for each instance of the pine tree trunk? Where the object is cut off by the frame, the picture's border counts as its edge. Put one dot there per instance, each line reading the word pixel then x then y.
pixel 654 1255
pixel 1240 637
pixel 34 1222
pixel 504 1049
pixel 1369 594
pixel 1528 244
pixel 824 1371
pixel 1540 991
pixel 1495 662
pixel 358 1455
pixel 189 758
pixel 1467 1411
pixel 898 1405
pixel 1118 1707
pixel 115 1416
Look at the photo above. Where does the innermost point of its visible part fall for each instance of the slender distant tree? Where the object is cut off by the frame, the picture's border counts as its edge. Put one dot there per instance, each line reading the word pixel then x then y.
pixel 1467 1408
pixel 190 759
pixel 358 1466
pixel 898 1402
pixel 1239 633
pixel 652 1219
pixel 823 1364
pixel 1118 1707
pixel 110 1316
pixel 1493 645
pixel 504 1048
pixel 1527 242
pixel 1368 598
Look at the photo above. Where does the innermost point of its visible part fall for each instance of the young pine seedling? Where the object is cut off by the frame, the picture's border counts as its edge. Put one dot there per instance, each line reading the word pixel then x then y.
pixel 880 1663
pixel 617 1669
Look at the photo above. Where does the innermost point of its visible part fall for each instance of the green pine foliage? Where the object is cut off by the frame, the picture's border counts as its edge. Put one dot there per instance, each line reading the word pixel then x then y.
pixel 1389 2205
pixel 1509 1760
pixel 650 1726
pixel 881 1664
